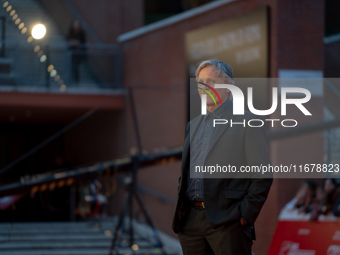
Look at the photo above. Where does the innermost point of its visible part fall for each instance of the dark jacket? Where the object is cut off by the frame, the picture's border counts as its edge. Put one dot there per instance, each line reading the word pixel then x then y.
pixel 227 199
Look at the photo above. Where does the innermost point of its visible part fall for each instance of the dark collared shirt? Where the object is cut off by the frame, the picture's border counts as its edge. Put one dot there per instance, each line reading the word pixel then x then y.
pixel 198 151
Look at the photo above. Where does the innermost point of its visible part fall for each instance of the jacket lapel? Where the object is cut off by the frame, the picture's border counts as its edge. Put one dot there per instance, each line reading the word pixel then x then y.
pixel 194 124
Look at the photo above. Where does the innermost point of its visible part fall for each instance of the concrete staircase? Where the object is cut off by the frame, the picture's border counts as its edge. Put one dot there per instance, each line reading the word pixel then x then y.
pixel 76 238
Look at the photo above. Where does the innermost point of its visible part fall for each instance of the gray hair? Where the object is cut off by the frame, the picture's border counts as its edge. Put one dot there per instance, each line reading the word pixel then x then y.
pixel 223 70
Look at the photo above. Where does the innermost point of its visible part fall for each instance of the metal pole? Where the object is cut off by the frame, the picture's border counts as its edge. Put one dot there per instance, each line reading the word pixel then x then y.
pixel 72 202
pixel 3 36
pixel 135 121
pixel 47 50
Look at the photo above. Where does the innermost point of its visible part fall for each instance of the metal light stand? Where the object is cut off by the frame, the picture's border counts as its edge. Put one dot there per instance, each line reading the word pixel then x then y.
pixel 133 192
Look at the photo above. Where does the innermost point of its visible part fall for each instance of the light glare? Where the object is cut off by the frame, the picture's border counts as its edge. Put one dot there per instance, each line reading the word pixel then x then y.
pixel 43 58
pixel 39 31
pixel 62 87
pixel 53 73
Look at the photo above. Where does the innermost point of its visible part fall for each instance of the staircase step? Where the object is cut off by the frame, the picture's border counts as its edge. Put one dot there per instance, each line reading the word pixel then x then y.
pixel 78 238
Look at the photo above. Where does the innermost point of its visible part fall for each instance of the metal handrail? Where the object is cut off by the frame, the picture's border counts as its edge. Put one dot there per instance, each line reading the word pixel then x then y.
pixel 63 44
pixel 60 55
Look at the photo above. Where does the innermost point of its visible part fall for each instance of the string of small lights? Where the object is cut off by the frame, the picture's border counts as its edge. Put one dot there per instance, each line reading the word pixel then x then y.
pixel 38 32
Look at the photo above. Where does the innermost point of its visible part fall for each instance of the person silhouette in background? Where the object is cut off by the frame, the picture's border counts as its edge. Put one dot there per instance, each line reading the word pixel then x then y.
pixel 76 39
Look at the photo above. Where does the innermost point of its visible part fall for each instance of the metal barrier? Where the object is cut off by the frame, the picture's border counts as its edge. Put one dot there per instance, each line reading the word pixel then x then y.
pixel 97 65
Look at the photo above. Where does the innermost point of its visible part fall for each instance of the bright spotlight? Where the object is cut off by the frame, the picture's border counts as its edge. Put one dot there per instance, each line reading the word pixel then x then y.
pixel 39 31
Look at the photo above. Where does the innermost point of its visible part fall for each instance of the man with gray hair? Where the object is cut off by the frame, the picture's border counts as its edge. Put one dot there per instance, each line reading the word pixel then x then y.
pixel 217 215
pixel 224 71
